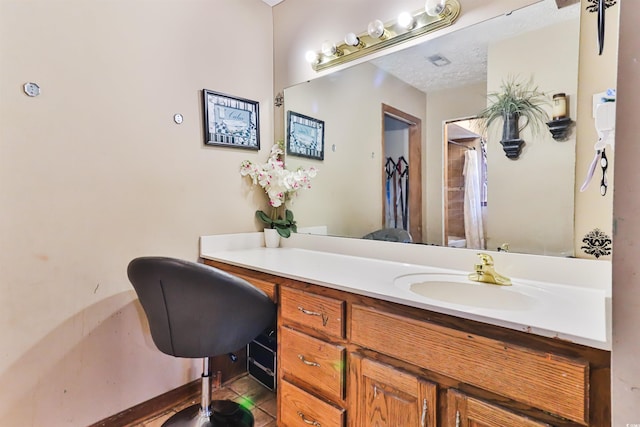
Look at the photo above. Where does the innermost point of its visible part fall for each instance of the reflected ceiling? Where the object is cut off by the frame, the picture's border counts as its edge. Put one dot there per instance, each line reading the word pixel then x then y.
pixel 467 49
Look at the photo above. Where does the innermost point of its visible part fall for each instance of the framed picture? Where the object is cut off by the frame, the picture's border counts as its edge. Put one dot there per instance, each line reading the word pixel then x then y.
pixel 305 136
pixel 230 121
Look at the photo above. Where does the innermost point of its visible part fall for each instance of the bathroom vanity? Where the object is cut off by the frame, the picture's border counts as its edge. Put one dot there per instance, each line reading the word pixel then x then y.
pixel 358 347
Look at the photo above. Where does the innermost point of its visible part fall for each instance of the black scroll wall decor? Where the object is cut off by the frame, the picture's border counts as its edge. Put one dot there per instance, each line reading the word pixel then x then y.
pixel 599 6
pixel 597 243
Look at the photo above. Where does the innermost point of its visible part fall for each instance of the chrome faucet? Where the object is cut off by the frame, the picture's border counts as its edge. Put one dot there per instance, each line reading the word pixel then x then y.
pixel 485 272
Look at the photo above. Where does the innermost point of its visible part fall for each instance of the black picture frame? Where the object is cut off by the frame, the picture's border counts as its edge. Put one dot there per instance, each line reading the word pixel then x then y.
pixel 305 136
pixel 230 121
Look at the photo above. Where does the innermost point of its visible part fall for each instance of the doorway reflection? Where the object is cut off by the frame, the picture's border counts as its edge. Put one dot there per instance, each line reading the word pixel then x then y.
pixel 396 172
pixel 401 174
pixel 465 190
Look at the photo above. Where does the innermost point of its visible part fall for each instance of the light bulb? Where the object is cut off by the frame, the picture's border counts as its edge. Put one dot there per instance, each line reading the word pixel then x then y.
pixel 311 57
pixel 351 39
pixel 328 48
pixel 376 29
pixel 405 20
pixel 434 7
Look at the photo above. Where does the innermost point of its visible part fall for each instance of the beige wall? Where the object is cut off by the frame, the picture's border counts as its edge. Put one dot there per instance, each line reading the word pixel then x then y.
pixel 626 272
pixel 443 105
pixel 597 74
pixel 346 196
pixel 530 200
pixel 93 172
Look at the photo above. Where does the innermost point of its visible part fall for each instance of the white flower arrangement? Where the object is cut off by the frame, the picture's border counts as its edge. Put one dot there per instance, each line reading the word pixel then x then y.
pixel 280 185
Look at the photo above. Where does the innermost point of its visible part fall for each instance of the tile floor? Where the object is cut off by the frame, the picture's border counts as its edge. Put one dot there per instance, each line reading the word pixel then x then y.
pixel 261 400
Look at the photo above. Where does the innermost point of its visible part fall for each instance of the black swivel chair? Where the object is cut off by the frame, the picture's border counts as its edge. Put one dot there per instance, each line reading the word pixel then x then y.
pixel 198 311
pixel 390 235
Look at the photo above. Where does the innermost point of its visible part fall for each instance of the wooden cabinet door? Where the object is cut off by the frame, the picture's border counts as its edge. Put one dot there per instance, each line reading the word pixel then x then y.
pixel 384 396
pixel 466 411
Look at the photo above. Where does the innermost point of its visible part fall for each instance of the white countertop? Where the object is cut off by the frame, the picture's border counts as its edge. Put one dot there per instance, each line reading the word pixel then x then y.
pixel 578 313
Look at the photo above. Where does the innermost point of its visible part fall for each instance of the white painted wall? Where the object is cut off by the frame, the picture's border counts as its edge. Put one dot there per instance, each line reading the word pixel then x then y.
pixel 93 172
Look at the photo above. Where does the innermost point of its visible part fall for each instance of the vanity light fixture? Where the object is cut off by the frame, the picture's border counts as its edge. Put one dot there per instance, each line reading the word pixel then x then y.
pixel 434 7
pixel 380 35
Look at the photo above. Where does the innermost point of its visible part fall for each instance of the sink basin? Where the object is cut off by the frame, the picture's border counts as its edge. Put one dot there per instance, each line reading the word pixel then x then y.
pixel 458 289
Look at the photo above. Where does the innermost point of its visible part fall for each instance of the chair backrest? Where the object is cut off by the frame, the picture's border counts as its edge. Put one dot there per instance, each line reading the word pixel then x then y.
pixel 195 310
pixel 390 235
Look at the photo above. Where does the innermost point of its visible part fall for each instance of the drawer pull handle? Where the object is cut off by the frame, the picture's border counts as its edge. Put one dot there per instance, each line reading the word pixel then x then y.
pixel 307 362
pixel 394 396
pixel 308 421
pixel 325 319
pixel 261 366
pixel 423 423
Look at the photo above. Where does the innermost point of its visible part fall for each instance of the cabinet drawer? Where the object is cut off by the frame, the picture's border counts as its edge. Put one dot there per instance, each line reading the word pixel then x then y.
pixel 474 412
pixel 321 313
pixel 301 409
pixel 313 361
pixel 267 287
pixel 546 381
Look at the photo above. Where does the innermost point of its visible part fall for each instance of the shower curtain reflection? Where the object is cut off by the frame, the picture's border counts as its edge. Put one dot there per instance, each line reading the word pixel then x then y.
pixel 473 218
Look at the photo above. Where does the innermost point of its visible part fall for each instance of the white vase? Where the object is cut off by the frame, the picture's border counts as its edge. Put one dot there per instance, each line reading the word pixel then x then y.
pixel 271 238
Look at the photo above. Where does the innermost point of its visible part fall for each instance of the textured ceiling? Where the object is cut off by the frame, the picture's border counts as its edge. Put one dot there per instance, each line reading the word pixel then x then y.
pixel 467 48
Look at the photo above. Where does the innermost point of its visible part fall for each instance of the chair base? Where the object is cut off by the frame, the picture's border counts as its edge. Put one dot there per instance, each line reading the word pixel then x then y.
pixel 225 413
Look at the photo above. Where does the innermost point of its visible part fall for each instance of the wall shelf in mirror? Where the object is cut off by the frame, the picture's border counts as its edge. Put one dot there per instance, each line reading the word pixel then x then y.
pixel 559 128
pixel 560 121
pixel 383 35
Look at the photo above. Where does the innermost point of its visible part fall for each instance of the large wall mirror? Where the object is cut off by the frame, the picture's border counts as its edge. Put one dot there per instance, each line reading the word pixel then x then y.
pixel 398 129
